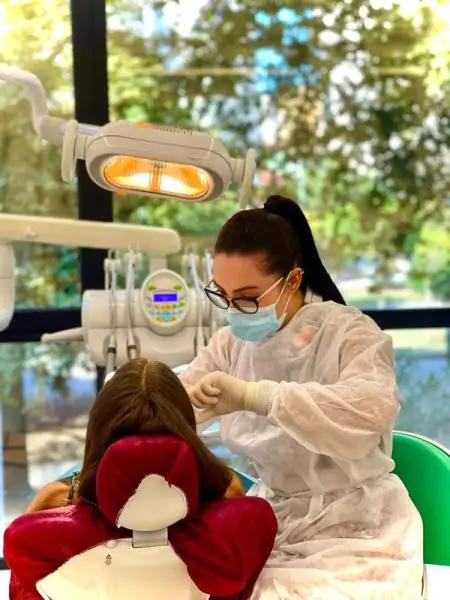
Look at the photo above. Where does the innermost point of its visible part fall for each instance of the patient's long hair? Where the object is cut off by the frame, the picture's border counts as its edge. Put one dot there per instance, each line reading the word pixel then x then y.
pixel 146 397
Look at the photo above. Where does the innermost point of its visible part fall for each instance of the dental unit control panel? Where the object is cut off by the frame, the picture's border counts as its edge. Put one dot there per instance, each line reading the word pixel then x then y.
pixel 164 318
pixel 165 301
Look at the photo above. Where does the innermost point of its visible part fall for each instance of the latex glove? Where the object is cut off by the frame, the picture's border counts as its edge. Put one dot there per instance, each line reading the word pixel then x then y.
pixel 202 394
pixel 224 394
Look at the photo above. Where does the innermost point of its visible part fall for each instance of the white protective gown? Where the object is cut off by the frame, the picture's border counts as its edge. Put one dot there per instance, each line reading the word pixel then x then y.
pixel 347 527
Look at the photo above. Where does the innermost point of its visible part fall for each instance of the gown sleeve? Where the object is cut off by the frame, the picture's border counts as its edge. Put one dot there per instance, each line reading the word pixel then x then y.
pixel 345 419
pixel 215 357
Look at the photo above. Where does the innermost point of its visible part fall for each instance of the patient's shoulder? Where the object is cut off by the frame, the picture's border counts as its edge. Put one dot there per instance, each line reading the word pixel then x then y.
pixel 52 495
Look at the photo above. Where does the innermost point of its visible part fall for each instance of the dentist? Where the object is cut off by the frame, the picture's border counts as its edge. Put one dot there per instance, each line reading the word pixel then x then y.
pixel 305 388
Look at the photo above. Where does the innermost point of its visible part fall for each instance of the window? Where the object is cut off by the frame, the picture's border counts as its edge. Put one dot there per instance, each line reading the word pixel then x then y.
pixel 423 377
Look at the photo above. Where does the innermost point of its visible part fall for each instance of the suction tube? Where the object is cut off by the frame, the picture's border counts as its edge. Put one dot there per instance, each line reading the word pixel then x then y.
pixel 111 285
pixel 132 349
pixel 200 341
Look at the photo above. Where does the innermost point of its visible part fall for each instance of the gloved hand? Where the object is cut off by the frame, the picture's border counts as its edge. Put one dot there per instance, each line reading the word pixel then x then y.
pixel 202 394
pixel 221 394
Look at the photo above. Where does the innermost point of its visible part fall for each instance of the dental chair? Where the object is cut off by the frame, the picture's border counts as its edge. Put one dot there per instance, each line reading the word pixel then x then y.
pixel 149 537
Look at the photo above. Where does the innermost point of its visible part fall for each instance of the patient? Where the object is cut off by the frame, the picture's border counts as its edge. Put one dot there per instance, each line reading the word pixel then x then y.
pixel 143 397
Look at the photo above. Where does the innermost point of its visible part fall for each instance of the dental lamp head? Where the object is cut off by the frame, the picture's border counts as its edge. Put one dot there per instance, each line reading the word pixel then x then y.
pixel 140 158
pixel 162 161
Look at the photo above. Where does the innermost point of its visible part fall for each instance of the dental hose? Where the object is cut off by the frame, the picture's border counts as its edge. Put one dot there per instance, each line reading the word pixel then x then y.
pixel 132 349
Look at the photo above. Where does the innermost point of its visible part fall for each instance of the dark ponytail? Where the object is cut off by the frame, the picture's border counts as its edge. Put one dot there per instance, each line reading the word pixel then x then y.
pixel 281 232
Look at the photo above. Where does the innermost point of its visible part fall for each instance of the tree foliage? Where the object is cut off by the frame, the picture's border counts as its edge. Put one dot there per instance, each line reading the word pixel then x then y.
pixel 359 92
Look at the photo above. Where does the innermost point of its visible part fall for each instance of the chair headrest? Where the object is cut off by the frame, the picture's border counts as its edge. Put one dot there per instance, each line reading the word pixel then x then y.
pixel 147 483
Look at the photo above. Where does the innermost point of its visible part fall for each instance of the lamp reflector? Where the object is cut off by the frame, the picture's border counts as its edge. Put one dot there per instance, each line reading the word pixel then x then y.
pixel 157 177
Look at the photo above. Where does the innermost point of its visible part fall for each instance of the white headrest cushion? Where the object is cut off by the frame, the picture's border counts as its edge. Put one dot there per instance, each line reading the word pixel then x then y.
pixel 154 505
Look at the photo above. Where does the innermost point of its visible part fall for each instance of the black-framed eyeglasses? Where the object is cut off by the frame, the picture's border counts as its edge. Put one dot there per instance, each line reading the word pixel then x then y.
pixel 243 304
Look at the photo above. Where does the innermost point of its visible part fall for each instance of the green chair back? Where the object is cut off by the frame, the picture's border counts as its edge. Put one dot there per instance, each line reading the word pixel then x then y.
pixel 424 468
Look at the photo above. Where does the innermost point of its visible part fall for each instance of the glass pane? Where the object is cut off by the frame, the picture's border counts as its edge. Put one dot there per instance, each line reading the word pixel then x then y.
pixel 346 103
pixel 36 36
pixel 423 376
pixel 45 398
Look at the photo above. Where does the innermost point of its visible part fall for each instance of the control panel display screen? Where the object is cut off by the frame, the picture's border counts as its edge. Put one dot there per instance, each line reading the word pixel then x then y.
pixel 165 297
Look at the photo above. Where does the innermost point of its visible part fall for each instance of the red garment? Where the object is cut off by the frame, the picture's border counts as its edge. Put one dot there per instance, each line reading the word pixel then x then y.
pixel 223 544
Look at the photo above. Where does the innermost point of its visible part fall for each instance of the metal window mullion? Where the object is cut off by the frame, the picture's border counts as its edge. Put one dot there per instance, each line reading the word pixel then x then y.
pixel 90 70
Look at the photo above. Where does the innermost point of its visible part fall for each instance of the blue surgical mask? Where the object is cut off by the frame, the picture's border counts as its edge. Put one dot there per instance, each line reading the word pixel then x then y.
pixel 255 327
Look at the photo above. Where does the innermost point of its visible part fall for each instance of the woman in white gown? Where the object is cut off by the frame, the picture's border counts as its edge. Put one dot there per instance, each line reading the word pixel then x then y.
pixel 305 389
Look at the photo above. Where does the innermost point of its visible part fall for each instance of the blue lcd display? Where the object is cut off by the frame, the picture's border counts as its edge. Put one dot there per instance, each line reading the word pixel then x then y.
pixel 167 297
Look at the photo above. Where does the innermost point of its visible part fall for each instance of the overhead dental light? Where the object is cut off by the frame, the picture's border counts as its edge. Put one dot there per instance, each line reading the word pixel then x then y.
pixel 140 158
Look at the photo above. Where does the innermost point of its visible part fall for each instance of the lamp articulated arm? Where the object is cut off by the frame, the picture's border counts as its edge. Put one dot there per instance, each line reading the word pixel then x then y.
pixel 139 158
